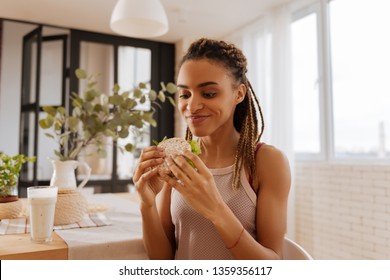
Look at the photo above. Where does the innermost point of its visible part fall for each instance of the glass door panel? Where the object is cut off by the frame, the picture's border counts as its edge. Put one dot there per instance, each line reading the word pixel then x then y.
pixel 134 66
pixel 97 59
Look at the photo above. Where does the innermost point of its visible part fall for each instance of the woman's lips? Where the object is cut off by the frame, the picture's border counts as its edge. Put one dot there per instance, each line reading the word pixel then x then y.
pixel 195 119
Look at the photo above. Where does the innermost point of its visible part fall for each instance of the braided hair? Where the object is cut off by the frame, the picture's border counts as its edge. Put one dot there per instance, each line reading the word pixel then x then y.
pixel 245 115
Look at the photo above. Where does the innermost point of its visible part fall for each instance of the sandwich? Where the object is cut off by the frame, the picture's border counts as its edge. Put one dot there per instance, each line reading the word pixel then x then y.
pixel 176 146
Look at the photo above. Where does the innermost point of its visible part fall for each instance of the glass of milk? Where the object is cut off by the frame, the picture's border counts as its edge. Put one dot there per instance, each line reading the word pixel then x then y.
pixel 42 204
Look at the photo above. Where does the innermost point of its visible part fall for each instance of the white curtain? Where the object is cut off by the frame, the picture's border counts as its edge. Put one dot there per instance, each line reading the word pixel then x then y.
pixel 266 44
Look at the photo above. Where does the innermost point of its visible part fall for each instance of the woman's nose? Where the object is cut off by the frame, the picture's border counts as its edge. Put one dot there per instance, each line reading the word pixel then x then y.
pixel 194 104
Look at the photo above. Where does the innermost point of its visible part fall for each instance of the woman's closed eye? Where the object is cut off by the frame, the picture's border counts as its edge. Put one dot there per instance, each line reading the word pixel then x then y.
pixel 209 94
pixel 184 94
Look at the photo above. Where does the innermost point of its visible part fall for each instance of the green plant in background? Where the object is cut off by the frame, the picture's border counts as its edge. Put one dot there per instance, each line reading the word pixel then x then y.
pixel 96 116
pixel 9 172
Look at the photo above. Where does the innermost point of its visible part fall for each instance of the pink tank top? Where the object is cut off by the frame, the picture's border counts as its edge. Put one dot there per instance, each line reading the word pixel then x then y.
pixel 196 237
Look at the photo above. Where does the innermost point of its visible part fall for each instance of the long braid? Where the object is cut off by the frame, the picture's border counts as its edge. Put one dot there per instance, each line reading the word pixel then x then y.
pixel 245 115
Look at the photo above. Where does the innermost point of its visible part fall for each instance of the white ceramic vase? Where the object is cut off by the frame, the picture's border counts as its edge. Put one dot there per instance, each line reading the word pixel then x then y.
pixel 64 174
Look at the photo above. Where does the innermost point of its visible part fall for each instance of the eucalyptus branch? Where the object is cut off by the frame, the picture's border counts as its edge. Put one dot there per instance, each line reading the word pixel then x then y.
pixel 96 115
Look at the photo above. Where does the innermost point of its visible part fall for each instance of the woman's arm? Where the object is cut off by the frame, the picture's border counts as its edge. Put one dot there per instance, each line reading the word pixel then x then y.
pixel 274 180
pixel 157 228
pixel 199 190
pixel 148 186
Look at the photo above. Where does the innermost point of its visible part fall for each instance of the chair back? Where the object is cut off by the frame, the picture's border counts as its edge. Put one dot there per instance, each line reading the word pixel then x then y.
pixel 294 251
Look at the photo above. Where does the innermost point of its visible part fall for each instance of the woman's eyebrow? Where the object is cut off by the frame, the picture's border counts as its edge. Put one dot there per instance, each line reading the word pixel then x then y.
pixel 198 86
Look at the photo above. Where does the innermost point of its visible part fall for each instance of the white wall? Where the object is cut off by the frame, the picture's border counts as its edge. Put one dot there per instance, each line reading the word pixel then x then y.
pixel 10 86
pixel 10 90
pixel 343 210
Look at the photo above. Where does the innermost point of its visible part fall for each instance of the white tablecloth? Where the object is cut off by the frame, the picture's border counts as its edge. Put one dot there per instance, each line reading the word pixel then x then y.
pixel 119 241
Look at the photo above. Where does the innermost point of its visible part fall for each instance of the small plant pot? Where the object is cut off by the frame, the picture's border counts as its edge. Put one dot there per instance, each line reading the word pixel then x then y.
pixel 70 207
pixel 10 207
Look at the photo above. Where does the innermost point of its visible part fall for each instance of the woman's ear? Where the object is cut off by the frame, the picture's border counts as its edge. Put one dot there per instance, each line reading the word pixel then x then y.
pixel 240 93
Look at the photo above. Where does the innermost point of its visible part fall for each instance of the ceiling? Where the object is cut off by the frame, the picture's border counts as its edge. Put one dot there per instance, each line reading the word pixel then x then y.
pixel 187 18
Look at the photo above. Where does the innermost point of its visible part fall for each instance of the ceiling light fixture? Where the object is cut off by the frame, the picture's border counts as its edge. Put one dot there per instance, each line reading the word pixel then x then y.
pixel 139 18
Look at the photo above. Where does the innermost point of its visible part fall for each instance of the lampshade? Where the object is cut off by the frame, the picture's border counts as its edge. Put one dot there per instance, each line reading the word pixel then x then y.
pixel 139 18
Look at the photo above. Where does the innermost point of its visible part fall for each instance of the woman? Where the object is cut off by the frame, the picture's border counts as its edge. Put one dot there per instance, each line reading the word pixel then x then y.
pixel 233 205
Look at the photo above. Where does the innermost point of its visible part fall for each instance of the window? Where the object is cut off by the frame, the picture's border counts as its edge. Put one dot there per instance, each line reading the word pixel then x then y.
pixel 305 85
pixel 340 60
pixel 360 77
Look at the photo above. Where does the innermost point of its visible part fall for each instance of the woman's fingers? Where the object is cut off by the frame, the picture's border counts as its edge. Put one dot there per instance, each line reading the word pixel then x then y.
pixel 150 157
pixel 197 162
pixel 181 169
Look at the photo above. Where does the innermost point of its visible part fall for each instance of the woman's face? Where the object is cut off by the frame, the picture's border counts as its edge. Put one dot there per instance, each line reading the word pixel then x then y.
pixel 207 96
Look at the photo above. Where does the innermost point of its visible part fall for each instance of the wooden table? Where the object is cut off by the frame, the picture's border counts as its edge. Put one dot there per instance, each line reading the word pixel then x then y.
pixel 20 247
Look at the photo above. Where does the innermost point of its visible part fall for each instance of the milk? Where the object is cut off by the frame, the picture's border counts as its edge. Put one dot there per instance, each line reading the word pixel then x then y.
pixel 42 203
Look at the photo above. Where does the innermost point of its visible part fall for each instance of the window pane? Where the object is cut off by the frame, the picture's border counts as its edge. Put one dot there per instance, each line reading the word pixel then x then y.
pixel 96 59
pixel 305 85
pixel 134 67
pixel 360 45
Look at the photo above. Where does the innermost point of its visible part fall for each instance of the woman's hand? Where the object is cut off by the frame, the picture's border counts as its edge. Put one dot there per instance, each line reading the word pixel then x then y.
pixel 145 178
pixel 196 184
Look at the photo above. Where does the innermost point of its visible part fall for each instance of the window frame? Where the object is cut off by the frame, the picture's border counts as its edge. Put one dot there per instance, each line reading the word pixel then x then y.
pixel 324 83
pixel 300 9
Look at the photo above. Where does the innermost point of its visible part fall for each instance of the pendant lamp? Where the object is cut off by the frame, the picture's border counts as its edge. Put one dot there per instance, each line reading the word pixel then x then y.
pixel 139 18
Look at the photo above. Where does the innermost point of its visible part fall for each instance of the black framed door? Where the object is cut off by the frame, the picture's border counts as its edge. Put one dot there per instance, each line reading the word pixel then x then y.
pixel 151 62
pixel 44 79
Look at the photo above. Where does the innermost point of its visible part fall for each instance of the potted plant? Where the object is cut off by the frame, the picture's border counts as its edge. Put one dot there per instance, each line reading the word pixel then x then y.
pixel 10 206
pixel 96 116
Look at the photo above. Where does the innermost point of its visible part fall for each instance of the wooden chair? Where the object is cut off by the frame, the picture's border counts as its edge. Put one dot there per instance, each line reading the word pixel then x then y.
pixel 294 251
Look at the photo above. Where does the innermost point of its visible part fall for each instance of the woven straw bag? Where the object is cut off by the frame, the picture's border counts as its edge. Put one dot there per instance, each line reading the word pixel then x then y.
pixel 70 207
pixel 11 210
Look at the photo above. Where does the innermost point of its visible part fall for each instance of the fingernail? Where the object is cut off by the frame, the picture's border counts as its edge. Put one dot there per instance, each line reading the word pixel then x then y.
pixel 168 160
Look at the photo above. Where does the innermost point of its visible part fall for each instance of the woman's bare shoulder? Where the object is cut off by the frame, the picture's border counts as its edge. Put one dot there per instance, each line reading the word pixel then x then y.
pixel 272 166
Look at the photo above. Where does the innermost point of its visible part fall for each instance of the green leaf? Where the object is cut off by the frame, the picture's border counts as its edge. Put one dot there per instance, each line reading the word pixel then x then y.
pixel 115 88
pixel 61 110
pixel 125 94
pixel 171 88
pixel 172 101
pixel 129 147
pixel 77 103
pixel 123 133
pixel 59 155
pixel 98 108
pixel 142 85
pixel 73 123
pixel 90 95
pixel 75 152
pixel 153 122
pixel 163 88
pixel 91 84
pixel 137 93
pixel 50 110
pixel 152 95
pixel 109 133
pixel 49 135
pixel 161 96
pixel 57 126
pixel 76 112
pixel 195 147
pixel 44 124
pixel 115 99
pixel 81 74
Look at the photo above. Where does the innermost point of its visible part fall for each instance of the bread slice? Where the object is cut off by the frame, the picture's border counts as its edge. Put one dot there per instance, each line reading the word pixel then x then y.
pixel 172 146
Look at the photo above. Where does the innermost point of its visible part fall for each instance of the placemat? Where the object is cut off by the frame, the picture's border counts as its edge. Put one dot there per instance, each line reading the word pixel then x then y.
pixel 22 225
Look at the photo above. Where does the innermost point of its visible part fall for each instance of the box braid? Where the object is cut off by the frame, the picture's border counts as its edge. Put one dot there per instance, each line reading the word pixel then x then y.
pixel 245 114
